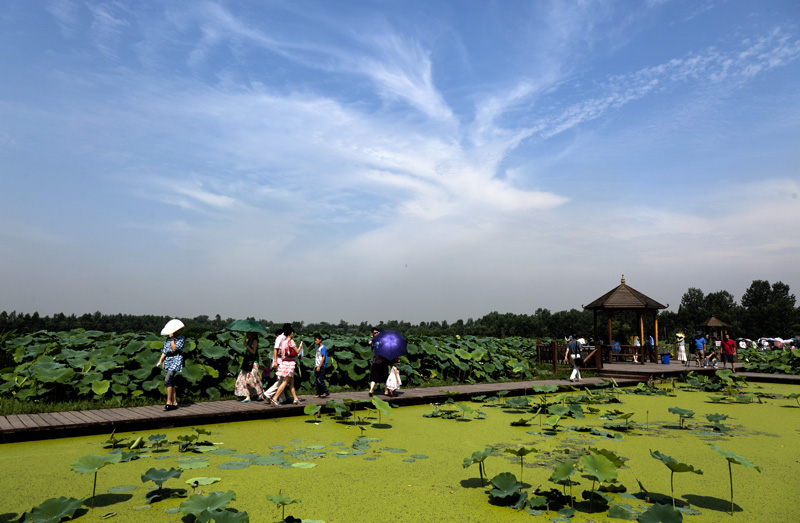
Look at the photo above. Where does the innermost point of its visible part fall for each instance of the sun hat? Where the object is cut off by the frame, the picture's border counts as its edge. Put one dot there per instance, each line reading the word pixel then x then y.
pixel 171 327
pixel 680 335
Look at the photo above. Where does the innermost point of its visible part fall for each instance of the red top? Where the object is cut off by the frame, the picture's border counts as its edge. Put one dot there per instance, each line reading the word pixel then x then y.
pixel 728 346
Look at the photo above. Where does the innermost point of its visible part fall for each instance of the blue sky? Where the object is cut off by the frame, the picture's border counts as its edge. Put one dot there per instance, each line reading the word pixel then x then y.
pixel 377 160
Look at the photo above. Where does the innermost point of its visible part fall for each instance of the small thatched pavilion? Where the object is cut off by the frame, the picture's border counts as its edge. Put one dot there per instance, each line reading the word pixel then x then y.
pixel 716 324
pixel 625 298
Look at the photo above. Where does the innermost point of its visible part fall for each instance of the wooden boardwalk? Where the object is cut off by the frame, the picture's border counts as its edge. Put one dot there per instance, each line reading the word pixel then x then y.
pixel 25 427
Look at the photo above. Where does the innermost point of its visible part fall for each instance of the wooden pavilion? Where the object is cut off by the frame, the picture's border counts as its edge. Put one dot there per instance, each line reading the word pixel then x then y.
pixel 626 299
pixel 717 325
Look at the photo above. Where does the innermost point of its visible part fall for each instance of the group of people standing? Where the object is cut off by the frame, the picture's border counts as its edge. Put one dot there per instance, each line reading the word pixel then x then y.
pixel 705 352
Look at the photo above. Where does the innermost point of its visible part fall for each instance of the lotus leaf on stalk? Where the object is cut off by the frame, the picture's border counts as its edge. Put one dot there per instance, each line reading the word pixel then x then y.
pixel 521 453
pixel 561 476
pixel 674 466
pixel 90 464
pixel 382 407
pixel 281 501
pixel 683 414
pixel 733 459
pixel 479 457
pixel 599 469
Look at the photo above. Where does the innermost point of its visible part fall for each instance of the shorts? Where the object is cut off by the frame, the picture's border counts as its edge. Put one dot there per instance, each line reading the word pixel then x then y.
pixel 169 378
pixel 727 358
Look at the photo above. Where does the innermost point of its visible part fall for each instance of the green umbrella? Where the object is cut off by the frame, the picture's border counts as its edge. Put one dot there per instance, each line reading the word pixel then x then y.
pixel 246 326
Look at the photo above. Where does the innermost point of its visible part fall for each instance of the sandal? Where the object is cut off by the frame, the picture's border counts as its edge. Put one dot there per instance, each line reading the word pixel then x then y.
pixel 246 400
pixel 295 402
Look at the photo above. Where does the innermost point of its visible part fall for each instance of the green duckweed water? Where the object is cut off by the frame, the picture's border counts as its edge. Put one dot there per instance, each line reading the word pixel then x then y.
pixel 411 469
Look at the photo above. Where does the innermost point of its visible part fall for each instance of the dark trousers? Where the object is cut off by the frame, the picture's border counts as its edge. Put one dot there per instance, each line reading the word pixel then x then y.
pixel 319 380
pixel 650 353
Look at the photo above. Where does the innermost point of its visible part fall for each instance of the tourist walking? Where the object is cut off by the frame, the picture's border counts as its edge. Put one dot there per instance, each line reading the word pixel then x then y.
pixel 379 371
pixel 172 358
pixel 249 377
pixel 269 394
pixel 574 353
pixel 289 353
pixel 393 381
pixel 682 350
pixel 699 347
pixel 728 352
pixel 320 367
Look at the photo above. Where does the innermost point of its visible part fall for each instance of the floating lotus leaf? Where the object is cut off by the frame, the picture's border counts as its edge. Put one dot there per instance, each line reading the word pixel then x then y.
pixel 518 402
pixel 202 481
pixel 53 510
pixel 268 460
pixel 196 504
pixel 661 514
pixel 193 465
pixel 234 465
pixel 622 512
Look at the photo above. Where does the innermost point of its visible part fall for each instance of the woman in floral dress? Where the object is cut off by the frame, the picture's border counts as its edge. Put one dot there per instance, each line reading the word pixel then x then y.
pixel 249 375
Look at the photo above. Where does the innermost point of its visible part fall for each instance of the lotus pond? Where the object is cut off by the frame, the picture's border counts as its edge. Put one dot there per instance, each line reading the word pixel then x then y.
pixel 580 456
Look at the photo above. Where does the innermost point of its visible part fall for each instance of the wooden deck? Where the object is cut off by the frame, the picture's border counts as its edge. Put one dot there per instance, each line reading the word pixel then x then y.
pixel 26 427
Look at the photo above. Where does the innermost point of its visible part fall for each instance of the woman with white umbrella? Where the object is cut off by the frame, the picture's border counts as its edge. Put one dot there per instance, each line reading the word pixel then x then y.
pixel 172 358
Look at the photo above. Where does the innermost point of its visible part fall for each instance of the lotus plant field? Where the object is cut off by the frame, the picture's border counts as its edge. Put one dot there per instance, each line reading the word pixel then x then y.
pixel 95 365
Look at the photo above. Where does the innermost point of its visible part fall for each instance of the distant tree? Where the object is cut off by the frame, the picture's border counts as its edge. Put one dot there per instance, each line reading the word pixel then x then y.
pixel 769 310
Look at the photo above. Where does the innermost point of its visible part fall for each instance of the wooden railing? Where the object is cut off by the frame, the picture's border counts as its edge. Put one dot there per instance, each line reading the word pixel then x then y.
pixel 553 354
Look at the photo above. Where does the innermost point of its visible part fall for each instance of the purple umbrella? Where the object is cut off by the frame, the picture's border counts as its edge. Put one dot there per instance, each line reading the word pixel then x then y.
pixel 389 344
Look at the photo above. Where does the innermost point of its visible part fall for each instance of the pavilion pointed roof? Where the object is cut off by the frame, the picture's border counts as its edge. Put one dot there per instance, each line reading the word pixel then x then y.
pixel 714 322
pixel 624 297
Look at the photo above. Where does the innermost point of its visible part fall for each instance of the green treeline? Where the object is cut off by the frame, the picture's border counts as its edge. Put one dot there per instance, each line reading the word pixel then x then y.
pixel 765 310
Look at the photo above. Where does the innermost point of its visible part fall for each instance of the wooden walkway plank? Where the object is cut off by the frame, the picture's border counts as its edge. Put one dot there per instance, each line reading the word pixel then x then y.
pixel 5 425
pixel 69 418
pixel 15 422
pixel 51 419
pixel 35 419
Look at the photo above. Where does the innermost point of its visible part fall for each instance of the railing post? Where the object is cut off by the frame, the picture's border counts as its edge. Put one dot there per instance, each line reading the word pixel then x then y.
pixel 554 346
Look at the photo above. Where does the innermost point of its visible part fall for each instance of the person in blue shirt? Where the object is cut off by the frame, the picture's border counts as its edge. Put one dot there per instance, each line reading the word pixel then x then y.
pixel 699 347
pixel 320 367
pixel 172 358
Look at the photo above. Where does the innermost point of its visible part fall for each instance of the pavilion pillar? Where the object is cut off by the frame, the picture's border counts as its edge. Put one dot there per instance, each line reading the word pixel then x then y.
pixel 608 314
pixel 655 328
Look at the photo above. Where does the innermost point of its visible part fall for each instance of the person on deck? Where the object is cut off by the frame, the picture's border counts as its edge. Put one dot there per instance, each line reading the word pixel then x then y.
pixel 172 358
pixel 728 352
pixel 574 353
